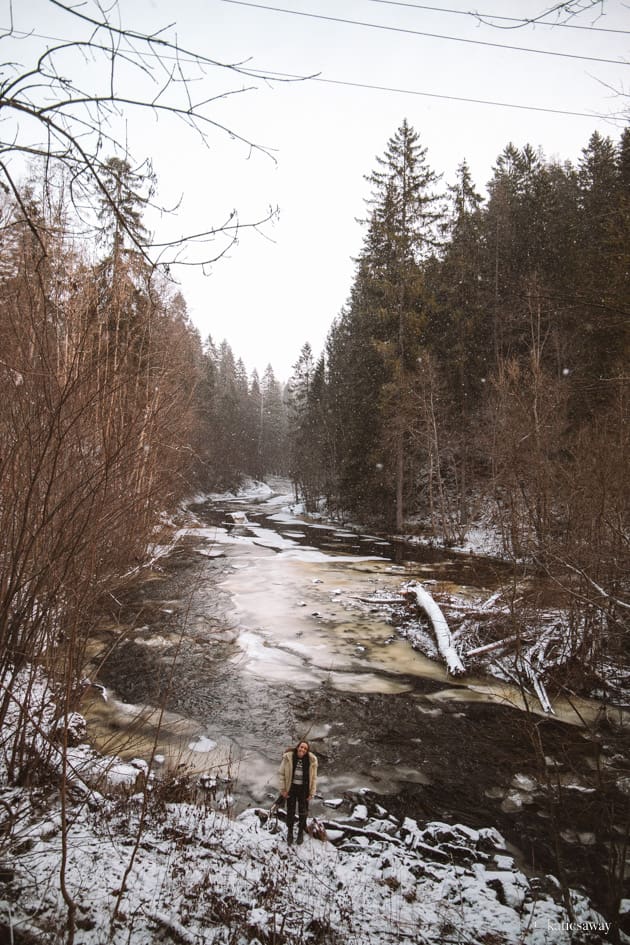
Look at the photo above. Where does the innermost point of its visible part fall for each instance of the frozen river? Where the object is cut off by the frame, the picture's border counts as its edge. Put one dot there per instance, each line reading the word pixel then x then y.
pixel 258 635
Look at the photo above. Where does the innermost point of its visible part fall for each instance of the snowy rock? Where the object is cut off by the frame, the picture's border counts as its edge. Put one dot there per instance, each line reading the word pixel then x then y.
pixel 514 801
pixel 72 731
pixel 333 802
pixel 48 829
pixel 335 835
pixel 359 814
pixel 383 826
pixel 139 764
pixel 490 839
pixel 503 862
pixel 552 762
pixel 237 518
pixel 510 888
pixel 523 782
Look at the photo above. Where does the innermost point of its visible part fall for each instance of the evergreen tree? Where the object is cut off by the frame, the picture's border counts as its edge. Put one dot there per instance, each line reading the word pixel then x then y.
pixel 402 234
pixel 457 338
pixel 121 203
pixel 255 463
pixel 273 425
pixel 297 396
pixel 226 443
pixel 356 376
pixel 318 440
pixel 602 278
pixel 457 328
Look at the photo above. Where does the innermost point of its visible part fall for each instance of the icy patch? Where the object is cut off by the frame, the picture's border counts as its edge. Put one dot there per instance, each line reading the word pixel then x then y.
pixel 270 539
pixel 305 554
pixel 251 489
pixel 202 744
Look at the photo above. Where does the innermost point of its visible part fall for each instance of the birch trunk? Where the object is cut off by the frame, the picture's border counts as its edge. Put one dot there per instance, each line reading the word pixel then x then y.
pixel 441 630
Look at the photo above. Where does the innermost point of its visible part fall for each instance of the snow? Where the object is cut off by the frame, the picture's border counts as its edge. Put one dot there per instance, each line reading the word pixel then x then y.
pixel 440 628
pixel 201 876
pixel 306 554
pixel 250 490
pixel 142 869
pixel 203 744
pixel 194 875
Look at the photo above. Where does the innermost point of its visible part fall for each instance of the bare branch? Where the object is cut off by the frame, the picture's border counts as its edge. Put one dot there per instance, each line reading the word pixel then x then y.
pixel 77 118
pixel 563 12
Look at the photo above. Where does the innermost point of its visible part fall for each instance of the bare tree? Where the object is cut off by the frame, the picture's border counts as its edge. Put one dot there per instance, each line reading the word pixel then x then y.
pixel 98 363
pixel 66 104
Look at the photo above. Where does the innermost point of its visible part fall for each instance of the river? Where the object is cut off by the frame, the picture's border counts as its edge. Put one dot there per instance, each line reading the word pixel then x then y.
pixel 256 635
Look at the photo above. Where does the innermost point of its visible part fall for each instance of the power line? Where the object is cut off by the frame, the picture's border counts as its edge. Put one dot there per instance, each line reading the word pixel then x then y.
pixel 317 77
pixel 400 29
pixel 484 17
pixel 448 98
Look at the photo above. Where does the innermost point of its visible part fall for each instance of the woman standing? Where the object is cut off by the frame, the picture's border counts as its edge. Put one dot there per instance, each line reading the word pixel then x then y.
pixel 298 781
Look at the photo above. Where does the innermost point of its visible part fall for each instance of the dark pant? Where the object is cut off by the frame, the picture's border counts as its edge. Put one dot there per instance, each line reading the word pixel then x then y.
pixel 298 795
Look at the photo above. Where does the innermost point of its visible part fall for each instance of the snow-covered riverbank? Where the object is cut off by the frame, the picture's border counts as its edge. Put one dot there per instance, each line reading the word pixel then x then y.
pixel 193 876
pixel 143 866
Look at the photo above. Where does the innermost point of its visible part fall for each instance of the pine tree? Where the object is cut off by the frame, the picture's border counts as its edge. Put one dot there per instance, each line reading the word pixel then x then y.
pixel 297 396
pixel 602 281
pixel 255 467
pixel 457 339
pixel 273 425
pixel 457 328
pixel 318 440
pixel 402 234
pixel 121 203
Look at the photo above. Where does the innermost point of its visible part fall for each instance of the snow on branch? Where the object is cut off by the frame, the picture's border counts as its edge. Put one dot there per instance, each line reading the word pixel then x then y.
pixel 598 587
pixel 441 630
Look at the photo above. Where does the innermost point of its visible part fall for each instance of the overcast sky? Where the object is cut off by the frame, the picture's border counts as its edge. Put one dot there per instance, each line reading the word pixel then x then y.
pixel 275 291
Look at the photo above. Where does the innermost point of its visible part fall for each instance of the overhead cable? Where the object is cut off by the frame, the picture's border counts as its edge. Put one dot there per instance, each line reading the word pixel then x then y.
pixel 273 75
pixel 400 29
pixel 449 98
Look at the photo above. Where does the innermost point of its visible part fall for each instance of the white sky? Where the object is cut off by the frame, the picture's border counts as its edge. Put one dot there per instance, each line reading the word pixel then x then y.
pixel 271 295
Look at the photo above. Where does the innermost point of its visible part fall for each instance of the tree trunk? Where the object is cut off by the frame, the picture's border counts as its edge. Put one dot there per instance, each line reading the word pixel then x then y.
pixel 400 482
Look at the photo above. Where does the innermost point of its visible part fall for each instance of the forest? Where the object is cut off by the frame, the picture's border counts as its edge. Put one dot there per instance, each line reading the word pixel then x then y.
pixel 478 373
pixel 476 376
pixel 474 382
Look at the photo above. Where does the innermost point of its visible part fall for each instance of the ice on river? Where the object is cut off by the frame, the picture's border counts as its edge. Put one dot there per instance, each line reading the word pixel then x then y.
pixel 296 627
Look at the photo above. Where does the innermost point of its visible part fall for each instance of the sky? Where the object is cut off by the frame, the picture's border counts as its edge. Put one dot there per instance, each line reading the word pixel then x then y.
pixel 284 283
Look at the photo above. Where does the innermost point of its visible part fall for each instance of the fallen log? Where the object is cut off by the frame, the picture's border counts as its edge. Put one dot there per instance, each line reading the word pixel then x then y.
pixel 497 645
pixel 538 686
pixel 378 600
pixel 350 831
pixel 441 630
